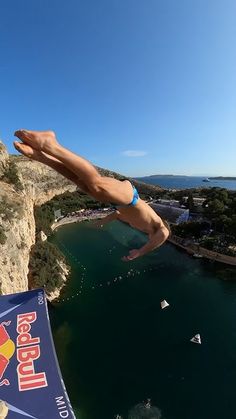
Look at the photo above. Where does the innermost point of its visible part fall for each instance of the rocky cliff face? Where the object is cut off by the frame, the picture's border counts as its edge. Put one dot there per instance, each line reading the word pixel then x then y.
pixel 17 224
pixel 3 157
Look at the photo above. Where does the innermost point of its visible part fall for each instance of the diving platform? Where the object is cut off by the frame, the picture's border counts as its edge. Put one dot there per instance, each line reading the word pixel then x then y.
pixel 31 384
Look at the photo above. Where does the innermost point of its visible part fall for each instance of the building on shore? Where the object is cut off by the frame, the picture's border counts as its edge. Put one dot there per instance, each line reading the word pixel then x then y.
pixel 198 202
pixel 168 202
pixel 172 214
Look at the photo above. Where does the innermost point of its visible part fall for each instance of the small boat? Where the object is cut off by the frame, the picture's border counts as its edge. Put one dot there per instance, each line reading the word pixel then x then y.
pixel 206 179
pixel 197 255
pixel 164 304
pixel 196 339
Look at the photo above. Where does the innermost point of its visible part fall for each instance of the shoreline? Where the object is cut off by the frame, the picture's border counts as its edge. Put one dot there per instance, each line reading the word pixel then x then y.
pixel 78 218
pixel 72 220
pixel 202 252
pixel 190 248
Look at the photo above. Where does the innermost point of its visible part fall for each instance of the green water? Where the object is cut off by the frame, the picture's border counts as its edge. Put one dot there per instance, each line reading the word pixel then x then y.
pixel 116 347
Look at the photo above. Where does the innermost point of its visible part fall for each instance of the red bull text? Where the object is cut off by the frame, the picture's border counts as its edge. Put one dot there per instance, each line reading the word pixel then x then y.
pixel 28 350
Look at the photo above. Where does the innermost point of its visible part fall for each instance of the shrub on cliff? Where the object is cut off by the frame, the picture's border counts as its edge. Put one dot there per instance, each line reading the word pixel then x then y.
pixel 45 266
pixel 10 175
pixel 3 236
pixel 9 210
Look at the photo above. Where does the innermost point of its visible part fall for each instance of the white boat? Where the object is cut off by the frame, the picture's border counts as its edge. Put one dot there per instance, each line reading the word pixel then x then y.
pixel 197 255
pixel 196 339
pixel 164 304
pixel 206 179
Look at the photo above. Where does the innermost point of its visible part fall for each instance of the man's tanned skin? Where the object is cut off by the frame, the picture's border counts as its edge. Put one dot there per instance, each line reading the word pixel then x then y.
pixel 44 147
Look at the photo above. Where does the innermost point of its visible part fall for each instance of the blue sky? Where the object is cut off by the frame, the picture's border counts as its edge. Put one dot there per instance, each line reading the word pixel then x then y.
pixel 137 86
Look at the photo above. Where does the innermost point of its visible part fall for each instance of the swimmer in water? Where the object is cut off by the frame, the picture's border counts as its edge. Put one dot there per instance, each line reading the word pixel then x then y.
pixel 44 147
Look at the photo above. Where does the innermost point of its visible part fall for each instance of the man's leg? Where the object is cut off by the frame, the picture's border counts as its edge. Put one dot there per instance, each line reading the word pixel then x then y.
pixel 51 162
pixel 102 188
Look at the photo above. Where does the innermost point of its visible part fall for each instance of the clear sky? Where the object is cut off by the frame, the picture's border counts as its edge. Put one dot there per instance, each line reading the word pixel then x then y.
pixel 137 86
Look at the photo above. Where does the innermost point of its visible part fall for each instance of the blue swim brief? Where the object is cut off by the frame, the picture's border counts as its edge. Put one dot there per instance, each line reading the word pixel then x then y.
pixel 134 200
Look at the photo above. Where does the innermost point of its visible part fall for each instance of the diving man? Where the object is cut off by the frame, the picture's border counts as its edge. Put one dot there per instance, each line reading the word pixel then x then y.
pixel 44 147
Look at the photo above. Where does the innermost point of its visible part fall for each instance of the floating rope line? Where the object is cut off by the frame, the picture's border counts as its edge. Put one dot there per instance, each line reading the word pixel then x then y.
pixel 130 274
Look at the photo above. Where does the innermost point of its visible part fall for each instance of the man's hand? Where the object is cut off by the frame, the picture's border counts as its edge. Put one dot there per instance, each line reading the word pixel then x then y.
pixel 133 254
pixel 155 241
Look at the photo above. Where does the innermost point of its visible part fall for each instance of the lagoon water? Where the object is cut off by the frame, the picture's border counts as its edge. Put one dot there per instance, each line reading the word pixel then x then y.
pixel 186 182
pixel 116 347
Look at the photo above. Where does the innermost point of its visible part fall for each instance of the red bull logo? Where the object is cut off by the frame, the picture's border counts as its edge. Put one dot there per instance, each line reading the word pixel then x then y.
pixel 27 352
pixel 7 349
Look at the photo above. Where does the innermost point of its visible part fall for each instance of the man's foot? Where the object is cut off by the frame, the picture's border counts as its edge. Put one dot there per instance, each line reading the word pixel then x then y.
pixel 38 140
pixel 30 152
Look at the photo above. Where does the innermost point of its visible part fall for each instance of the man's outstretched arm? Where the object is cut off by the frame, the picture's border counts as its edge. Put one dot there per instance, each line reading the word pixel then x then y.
pixel 155 241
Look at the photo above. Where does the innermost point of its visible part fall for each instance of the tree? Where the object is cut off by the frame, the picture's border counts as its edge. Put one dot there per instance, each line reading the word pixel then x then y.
pixel 214 207
pixel 190 202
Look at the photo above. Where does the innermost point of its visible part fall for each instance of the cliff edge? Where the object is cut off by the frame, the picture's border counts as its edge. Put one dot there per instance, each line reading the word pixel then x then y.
pixel 23 184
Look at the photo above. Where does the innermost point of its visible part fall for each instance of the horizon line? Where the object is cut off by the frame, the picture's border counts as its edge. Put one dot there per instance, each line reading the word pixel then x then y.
pixel 174 174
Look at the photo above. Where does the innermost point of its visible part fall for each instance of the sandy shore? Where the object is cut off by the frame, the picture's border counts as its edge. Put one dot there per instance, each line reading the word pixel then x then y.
pixel 76 219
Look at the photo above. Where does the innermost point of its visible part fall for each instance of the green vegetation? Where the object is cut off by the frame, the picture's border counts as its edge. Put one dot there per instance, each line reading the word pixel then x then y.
pixel 45 266
pixel 8 210
pixel 191 229
pixel 3 236
pixel 215 228
pixel 67 203
pixel 10 175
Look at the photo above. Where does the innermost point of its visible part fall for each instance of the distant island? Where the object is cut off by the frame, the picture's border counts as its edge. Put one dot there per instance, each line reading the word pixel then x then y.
pixel 169 175
pixel 223 178
pixel 140 177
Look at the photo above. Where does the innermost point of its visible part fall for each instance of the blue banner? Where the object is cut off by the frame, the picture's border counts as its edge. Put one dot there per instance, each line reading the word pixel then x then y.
pixel 31 384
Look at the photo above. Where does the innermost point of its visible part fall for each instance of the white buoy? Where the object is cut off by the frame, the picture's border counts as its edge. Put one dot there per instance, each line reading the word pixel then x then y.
pixel 164 304
pixel 196 339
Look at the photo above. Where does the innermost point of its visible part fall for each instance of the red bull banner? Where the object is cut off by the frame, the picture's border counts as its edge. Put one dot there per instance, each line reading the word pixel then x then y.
pixel 31 385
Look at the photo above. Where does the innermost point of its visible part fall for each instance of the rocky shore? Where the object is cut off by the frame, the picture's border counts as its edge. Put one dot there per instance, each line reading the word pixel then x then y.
pixel 198 251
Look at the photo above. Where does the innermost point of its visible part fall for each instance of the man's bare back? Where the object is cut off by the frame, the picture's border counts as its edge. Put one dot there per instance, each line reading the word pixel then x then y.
pixel 43 146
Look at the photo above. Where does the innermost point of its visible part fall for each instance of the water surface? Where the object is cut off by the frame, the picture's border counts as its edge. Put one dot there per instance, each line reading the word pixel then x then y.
pixel 116 347
pixel 187 182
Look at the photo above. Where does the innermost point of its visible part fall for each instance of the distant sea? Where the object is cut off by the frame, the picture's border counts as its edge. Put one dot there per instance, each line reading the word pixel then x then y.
pixel 186 182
